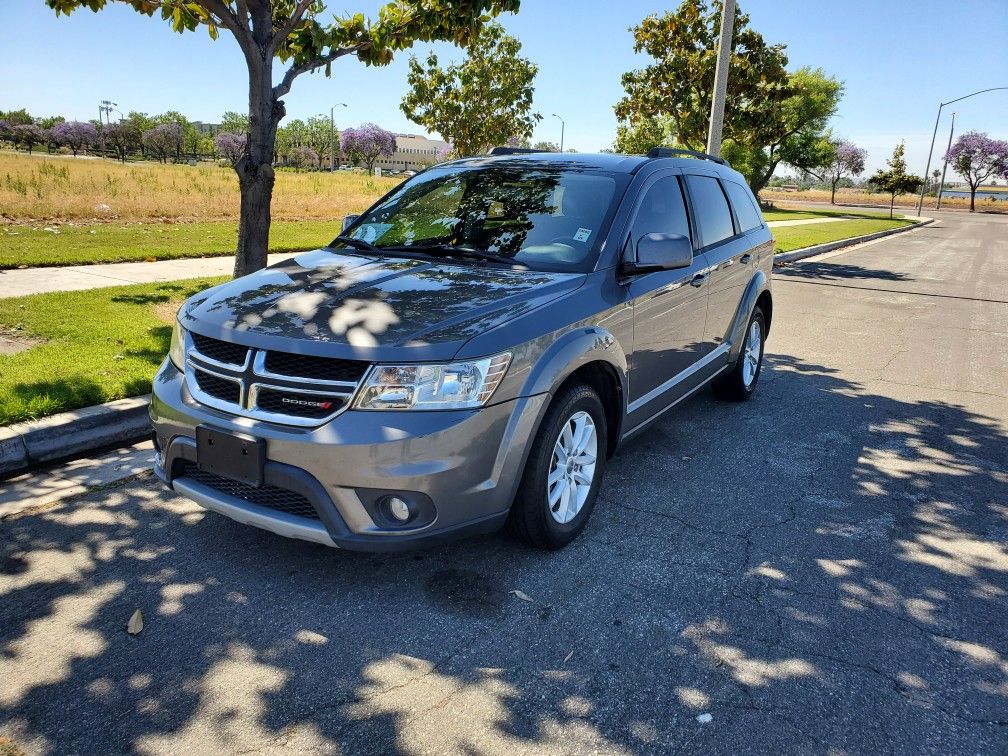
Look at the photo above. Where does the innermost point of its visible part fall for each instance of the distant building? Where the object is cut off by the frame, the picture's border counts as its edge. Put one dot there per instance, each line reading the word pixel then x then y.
pixel 210 129
pixel 413 153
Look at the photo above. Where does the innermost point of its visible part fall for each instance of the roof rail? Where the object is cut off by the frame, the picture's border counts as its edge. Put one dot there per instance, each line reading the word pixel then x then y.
pixel 512 151
pixel 667 152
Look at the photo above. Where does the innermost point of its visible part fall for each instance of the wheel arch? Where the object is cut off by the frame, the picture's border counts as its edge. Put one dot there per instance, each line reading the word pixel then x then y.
pixel 589 355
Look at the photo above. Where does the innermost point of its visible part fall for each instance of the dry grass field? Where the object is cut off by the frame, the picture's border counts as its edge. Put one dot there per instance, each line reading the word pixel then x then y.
pixel 65 189
pixel 856 197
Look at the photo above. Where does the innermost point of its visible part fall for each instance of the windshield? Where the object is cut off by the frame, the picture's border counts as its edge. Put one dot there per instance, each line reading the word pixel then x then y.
pixel 548 219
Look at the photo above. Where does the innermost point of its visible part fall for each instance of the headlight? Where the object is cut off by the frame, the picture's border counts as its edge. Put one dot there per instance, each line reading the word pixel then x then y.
pixel 457 385
pixel 176 353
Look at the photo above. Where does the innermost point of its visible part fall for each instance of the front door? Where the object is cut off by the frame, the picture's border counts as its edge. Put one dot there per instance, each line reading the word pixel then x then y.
pixel 670 308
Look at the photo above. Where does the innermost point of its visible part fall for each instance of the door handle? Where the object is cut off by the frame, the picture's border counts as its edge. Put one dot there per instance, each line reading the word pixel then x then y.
pixel 698 280
pixel 745 258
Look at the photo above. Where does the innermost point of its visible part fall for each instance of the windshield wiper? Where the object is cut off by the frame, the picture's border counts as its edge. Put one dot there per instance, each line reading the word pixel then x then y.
pixel 453 250
pixel 360 244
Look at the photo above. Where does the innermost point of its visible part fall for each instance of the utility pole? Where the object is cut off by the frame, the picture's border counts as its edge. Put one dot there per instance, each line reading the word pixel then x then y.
pixel 562 126
pixel 332 135
pixel 941 187
pixel 721 78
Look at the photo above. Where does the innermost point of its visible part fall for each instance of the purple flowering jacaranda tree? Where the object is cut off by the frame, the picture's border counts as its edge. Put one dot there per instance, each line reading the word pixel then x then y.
pixel 367 143
pixel 75 134
pixel 976 157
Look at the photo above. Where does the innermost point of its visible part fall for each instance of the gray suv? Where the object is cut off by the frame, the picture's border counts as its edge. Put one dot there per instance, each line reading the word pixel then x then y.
pixel 470 351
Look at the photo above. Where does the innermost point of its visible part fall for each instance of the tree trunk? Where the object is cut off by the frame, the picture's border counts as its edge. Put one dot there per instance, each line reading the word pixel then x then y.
pixel 972 198
pixel 255 169
pixel 892 201
pixel 832 197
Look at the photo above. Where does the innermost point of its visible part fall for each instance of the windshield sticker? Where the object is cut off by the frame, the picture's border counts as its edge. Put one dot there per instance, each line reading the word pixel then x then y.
pixel 582 234
pixel 371 232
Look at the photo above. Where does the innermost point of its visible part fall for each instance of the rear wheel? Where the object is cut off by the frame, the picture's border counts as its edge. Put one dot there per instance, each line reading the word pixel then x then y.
pixel 740 382
pixel 564 471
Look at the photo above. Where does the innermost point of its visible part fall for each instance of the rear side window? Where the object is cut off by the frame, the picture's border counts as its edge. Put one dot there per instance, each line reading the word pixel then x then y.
pixel 662 211
pixel 710 208
pixel 745 209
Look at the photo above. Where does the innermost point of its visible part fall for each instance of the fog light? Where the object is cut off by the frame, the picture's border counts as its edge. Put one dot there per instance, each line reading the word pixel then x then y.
pixel 398 508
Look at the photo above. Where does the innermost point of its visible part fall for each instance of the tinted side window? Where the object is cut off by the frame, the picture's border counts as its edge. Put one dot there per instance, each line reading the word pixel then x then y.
pixel 662 211
pixel 710 208
pixel 745 210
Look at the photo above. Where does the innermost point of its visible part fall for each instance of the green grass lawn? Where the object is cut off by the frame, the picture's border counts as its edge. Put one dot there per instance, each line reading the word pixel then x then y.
pixel 786 215
pixel 94 346
pixel 26 245
pixel 789 238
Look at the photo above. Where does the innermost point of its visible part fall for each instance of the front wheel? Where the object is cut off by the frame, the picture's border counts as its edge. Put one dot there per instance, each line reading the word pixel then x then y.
pixel 740 382
pixel 564 471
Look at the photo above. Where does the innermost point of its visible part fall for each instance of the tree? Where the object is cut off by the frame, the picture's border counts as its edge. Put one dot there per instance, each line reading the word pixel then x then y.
pixel 17 117
pixel 846 159
pixel 75 134
pixel 367 143
pixel 771 116
pixel 545 146
pixel 162 141
pixel 234 123
pixel 895 180
pixel 479 103
pixel 976 157
pixel 641 135
pixel 316 136
pixel 122 137
pixel 230 146
pixel 28 135
pixel 302 156
pixel 291 31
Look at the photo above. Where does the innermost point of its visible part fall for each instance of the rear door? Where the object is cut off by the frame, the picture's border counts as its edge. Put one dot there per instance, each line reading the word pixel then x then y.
pixel 727 250
pixel 670 307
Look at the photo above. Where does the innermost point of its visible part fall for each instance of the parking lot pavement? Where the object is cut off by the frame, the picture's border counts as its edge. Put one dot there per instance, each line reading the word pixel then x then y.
pixel 822 569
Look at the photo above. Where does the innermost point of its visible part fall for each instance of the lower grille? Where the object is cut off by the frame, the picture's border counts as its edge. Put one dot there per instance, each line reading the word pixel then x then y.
pixel 218 388
pixel 270 497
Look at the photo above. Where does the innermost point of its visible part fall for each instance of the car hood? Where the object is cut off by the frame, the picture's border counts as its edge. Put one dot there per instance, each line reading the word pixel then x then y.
pixel 339 304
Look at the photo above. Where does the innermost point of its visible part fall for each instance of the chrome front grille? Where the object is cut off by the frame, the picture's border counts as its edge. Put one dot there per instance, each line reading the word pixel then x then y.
pixel 280 387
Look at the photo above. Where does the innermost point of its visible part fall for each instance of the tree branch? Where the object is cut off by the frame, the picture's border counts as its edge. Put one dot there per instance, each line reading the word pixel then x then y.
pixel 296 70
pixel 294 20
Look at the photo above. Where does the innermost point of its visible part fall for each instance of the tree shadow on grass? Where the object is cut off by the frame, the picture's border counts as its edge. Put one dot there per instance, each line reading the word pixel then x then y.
pixel 823 567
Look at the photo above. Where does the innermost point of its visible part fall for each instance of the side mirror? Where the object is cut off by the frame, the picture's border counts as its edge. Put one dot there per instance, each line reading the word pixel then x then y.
pixel 661 252
pixel 349 220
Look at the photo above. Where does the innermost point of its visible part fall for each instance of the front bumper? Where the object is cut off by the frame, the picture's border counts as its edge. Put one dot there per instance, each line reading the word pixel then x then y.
pixel 462 468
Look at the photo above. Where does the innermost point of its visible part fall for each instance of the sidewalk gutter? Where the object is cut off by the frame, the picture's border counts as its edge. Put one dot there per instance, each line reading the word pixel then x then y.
pixel 24 446
pixel 819 249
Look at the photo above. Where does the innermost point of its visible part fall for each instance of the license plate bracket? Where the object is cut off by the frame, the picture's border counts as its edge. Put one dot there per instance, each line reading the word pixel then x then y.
pixel 232 455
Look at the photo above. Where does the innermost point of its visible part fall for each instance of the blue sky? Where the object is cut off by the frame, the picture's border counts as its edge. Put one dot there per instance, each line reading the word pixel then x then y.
pixel 897 59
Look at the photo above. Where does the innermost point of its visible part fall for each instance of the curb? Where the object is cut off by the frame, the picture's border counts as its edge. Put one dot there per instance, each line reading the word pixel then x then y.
pixel 24 446
pixel 819 249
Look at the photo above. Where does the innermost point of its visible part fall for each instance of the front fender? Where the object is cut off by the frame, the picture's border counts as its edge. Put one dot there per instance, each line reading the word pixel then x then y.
pixel 757 285
pixel 572 350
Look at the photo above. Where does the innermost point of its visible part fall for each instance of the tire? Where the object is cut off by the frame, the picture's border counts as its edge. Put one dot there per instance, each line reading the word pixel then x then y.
pixel 740 382
pixel 533 519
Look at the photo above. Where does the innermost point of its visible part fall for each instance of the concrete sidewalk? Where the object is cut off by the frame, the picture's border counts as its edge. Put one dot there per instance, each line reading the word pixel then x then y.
pixel 22 281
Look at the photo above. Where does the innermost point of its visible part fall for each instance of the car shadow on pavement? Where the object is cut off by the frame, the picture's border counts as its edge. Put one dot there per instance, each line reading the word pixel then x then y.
pixel 839 272
pixel 823 567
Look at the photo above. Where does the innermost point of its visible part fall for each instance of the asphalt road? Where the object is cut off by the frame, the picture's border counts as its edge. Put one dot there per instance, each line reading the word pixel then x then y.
pixel 823 569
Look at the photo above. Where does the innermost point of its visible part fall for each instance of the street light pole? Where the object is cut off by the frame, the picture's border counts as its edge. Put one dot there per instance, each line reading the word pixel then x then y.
pixel 941 187
pixel 562 127
pixel 332 135
pixel 721 78
pixel 920 202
